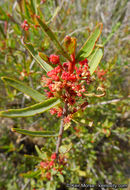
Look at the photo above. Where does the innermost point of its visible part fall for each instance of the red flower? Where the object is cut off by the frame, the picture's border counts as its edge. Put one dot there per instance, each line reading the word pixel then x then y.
pixel 67 76
pixel 48 175
pixel 57 69
pixel 67 119
pixel 54 59
pixel 59 112
pixel 51 88
pixel 25 25
pixel 71 101
pixel 51 163
pixel 53 111
pixel 44 164
pixel 85 61
pixel 49 94
pixel 65 65
pixel 100 74
pixel 53 156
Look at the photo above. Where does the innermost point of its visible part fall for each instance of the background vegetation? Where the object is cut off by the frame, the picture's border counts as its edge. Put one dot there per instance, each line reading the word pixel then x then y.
pixel 99 152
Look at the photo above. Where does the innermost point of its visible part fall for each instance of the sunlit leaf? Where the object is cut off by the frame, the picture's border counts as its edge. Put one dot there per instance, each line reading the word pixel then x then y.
pixel 53 38
pixel 2 31
pixel 34 6
pixel 67 126
pixel 31 174
pixel 35 133
pixel 3 15
pixel 95 60
pixel 89 45
pixel 61 177
pixel 37 96
pixel 31 110
pixel 26 10
pixel 65 148
pixel 35 55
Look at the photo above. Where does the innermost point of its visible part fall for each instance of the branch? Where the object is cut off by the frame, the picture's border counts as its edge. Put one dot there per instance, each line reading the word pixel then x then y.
pixel 107 102
pixel 59 140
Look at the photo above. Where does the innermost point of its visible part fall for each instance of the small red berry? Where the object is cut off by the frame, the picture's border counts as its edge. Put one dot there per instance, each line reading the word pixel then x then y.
pixel 53 156
pixel 25 25
pixel 54 59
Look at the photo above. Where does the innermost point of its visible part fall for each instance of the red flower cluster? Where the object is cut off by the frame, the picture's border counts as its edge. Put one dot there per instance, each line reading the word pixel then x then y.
pixel 68 81
pixel 100 74
pixel 54 59
pixel 25 25
pixel 58 111
pixel 47 165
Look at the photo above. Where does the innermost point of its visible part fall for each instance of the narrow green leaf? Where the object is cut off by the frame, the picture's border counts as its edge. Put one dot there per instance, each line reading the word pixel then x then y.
pixel 67 125
pixel 95 60
pixel 40 154
pixel 31 174
pixel 65 148
pixel 35 133
pixel 2 31
pixel 26 10
pixel 35 55
pixel 61 177
pixel 32 157
pixel 37 96
pixel 54 15
pixel 89 45
pixel 31 110
pixel 3 15
pixel 53 38
pixel 114 29
pixel 34 6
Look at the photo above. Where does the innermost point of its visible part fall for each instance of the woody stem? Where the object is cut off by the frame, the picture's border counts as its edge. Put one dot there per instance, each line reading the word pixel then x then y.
pixel 59 140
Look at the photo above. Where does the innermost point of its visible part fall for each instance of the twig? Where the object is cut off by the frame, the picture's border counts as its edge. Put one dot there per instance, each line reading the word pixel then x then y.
pixel 26 184
pixel 59 140
pixel 107 102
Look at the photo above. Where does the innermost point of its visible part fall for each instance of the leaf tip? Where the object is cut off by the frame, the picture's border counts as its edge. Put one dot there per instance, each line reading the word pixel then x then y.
pixel 2 78
pixel 101 25
pixel 13 130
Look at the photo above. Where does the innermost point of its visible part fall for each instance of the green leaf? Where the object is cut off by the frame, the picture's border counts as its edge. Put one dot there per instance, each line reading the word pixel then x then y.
pixel 35 133
pixel 65 148
pixel 35 55
pixel 56 11
pixel 31 110
pixel 31 174
pixel 53 38
pixel 2 31
pixel 95 60
pixel 32 157
pixel 34 6
pixel 37 96
pixel 67 126
pixel 40 154
pixel 81 173
pixel 89 45
pixel 61 177
pixel 26 10
pixel 3 15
